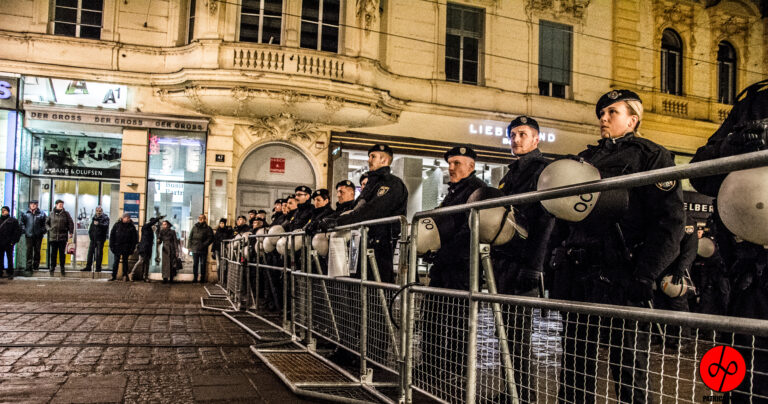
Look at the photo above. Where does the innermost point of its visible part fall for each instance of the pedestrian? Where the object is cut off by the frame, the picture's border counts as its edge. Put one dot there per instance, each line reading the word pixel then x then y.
pixel 615 258
pixel 170 248
pixel 241 225
pixel 518 265
pixel 744 130
pixel 122 240
pixel 200 238
pixel 145 249
pixel 223 232
pixel 60 230
pixel 97 234
pixel 10 234
pixel 34 228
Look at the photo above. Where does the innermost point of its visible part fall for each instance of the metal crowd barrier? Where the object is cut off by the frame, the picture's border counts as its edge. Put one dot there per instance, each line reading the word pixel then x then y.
pixel 479 346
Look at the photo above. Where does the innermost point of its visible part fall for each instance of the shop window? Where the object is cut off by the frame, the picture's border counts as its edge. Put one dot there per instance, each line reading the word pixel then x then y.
pixel 95 157
pixel 726 73
pixel 261 21
pixel 177 156
pixel 191 24
pixel 320 25
pixel 555 54
pixel 463 44
pixel 671 63
pixel 8 125
pixel 78 18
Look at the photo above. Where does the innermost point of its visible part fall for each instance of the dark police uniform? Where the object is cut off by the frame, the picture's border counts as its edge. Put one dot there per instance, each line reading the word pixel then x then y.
pixel 302 215
pixel 384 196
pixel 714 288
pixel 323 212
pixel 616 261
pixel 519 264
pixel 678 269
pixel 743 131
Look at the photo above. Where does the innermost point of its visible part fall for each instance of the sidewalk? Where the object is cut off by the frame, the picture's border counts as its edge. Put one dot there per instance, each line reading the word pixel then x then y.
pixel 66 340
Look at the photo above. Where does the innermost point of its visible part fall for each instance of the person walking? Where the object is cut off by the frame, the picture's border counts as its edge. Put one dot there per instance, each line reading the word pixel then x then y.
pixel 200 238
pixel 60 229
pixel 122 241
pixel 33 226
pixel 97 234
pixel 170 248
pixel 145 249
pixel 10 233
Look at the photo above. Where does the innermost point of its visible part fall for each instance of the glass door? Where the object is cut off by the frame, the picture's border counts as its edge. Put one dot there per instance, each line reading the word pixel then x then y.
pixel 110 198
pixel 87 201
pixel 66 190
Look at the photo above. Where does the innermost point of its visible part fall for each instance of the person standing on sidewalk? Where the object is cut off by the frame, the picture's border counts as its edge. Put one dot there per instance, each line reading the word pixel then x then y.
pixel 223 232
pixel 33 226
pixel 60 229
pixel 122 241
pixel 170 248
pixel 97 233
pixel 145 249
pixel 200 238
pixel 10 233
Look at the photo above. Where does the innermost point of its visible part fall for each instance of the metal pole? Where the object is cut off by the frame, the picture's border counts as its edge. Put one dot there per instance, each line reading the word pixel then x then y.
pixel 498 319
pixel 474 288
pixel 407 319
pixel 307 266
pixel 383 299
pixel 286 325
pixel 364 374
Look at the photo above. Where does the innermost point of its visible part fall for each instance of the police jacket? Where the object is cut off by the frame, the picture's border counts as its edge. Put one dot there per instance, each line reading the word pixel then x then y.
pixel 200 237
pixel 123 238
pixel 301 216
pixel 450 267
pixel 242 229
pixel 60 225
pixel 277 218
pixel 10 231
pixel 99 228
pixel 648 234
pixel 523 176
pixel 222 233
pixel 343 207
pixel 33 223
pixel 320 213
pixel 288 220
pixel 385 195
pixel 688 247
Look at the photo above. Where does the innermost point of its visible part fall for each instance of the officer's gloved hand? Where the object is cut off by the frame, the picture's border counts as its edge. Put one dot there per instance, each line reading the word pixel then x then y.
pixel 640 289
pixel 749 137
pixel 327 224
pixel 528 280
pixel 312 227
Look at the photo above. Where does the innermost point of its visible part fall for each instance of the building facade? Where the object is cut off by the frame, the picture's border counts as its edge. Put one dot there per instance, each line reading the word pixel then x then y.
pixel 181 107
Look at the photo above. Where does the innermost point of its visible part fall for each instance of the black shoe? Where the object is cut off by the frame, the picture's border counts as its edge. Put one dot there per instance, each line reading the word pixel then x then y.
pixel 63 273
pixel 165 280
pixel 50 272
pixel 98 269
pixel 111 279
pixel 85 270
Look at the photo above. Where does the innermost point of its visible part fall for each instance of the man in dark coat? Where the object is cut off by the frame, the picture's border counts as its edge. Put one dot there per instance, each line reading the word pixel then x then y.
pixel 33 226
pixel 744 130
pixel 60 229
pixel 200 238
pixel 223 232
pixel 10 234
pixel 241 225
pixel 122 241
pixel 345 197
pixel 97 233
pixel 277 212
pixel 146 244
pixel 304 208
pixel 322 205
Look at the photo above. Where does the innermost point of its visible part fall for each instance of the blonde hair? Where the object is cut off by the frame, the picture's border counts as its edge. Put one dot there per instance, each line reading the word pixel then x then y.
pixel 635 108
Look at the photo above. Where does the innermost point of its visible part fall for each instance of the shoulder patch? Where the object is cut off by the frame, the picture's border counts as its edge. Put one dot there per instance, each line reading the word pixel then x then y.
pixel 383 190
pixel 666 185
pixel 501 186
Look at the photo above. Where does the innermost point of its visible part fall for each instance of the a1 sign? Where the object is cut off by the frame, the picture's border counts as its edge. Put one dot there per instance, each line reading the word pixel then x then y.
pixel 277 165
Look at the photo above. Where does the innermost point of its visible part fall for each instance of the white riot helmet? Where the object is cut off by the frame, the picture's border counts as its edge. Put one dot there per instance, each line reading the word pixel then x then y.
pixel 271 242
pixel 742 203
pixel 566 172
pixel 320 244
pixel 298 242
pixel 674 289
pixel 281 245
pixel 706 247
pixel 260 241
pixel 428 239
pixel 497 225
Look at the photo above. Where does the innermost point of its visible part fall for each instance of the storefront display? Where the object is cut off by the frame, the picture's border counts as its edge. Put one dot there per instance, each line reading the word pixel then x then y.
pixel 97 157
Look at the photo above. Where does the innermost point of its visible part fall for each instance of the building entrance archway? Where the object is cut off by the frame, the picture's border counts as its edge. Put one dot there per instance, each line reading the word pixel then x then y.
pixel 270 172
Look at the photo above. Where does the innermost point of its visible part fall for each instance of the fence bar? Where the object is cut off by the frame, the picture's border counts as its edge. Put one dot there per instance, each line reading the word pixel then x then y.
pixel 474 287
pixel 363 304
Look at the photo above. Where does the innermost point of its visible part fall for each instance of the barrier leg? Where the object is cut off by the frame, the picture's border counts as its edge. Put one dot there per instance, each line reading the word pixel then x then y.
pixel 326 297
pixel 383 300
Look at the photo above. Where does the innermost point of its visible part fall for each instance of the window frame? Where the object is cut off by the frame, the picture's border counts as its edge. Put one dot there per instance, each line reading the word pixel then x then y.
pixel 320 23
pixel 667 52
pixel 551 88
pixel 732 64
pixel 78 19
pixel 261 15
pixel 191 21
pixel 462 33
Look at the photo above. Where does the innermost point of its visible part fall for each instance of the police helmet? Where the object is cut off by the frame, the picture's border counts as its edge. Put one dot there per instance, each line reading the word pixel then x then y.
pixel 497 225
pixel 674 289
pixel 428 236
pixel 742 203
pixel 566 172
pixel 260 241
pixel 281 245
pixel 706 247
pixel 320 244
pixel 271 242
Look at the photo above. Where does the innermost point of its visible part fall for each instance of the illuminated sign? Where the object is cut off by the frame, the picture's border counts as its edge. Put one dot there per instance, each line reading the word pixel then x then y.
pixel 115 119
pixel 501 131
pixel 75 92
pixel 8 86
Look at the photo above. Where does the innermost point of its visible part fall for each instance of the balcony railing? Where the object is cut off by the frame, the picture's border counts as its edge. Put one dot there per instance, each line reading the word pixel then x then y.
pixel 303 62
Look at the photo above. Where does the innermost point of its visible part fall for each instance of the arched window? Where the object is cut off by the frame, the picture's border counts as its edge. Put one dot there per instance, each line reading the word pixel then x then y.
pixel 726 73
pixel 671 63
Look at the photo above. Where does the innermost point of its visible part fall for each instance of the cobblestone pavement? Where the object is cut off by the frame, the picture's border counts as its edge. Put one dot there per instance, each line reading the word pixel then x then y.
pixel 85 341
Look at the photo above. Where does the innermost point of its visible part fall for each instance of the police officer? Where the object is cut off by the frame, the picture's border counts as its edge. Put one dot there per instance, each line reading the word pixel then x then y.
pixel 615 258
pixel 277 212
pixel 744 130
pixel 519 264
pixel 345 197
pixel 303 208
pixel 322 205
pixel 709 274
pixel 290 209
pixel 385 195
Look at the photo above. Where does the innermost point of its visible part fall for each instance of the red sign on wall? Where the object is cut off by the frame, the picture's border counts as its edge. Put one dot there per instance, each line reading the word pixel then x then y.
pixel 276 165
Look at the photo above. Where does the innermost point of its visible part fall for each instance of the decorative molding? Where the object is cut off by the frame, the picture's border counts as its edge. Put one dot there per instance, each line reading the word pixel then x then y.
pixel 574 10
pixel 367 13
pixel 676 15
pixel 733 28
pixel 333 104
pixel 213 5
pixel 284 126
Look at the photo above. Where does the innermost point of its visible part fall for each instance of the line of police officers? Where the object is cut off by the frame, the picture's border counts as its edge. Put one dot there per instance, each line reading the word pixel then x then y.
pixel 615 252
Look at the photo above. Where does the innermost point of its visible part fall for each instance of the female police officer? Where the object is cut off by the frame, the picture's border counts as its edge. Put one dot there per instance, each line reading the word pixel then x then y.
pixel 615 255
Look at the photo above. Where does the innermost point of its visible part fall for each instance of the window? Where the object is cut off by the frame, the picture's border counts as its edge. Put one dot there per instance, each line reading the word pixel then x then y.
pixel 191 25
pixel 261 21
pixel 463 42
pixel 726 73
pixel 78 18
pixel 671 63
pixel 554 58
pixel 320 25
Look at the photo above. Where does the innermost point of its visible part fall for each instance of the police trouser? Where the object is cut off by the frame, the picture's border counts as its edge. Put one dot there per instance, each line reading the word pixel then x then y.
pixel 384 252
pixel 628 342
pixel 673 333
